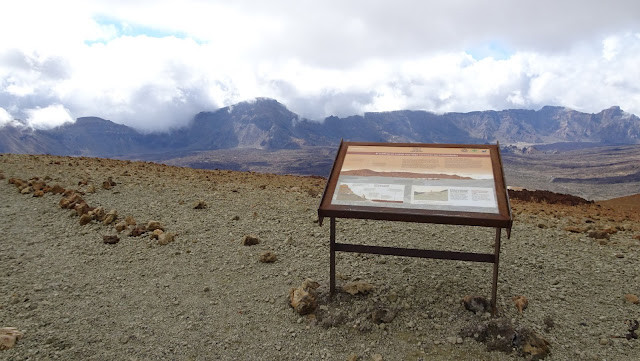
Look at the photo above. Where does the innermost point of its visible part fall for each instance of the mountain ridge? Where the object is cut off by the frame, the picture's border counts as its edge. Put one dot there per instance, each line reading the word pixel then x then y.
pixel 267 124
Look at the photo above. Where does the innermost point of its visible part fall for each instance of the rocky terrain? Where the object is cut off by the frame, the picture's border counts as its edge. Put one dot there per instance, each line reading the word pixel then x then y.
pixel 241 243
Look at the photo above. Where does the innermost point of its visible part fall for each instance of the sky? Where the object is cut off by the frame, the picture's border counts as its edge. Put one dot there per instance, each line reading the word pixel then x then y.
pixel 153 65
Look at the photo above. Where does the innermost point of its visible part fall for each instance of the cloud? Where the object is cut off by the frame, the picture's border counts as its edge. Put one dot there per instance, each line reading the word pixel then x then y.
pixel 49 117
pixel 154 64
pixel 6 118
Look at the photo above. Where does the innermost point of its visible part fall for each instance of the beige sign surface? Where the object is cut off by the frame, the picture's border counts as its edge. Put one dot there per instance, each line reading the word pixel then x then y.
pixel 430 178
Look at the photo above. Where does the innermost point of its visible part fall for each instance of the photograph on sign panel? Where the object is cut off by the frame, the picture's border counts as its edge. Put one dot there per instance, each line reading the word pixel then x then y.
pixel 454 179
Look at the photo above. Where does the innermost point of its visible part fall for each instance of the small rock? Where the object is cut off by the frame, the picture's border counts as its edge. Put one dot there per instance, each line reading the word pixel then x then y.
pixel 110 239
pixel 604 341
pixel 383 315
pixel 91 188
pixel 156 234
pixel 57 189
pixel 110 217
pixel 166 238
pixel 200 205
pixel 352 357
pixel 8 337
pixel 26 190
pixel 82 208
pixel 85 219
pixel 130 221
pixel 637 236
pixel 598 234
pixel 356 287
pixel 452 340
pixel 303 298
pixel 153 225
pixel 574 229
pixel 521 302
pixel 536 346
pixel 250 240
pixel 631 298
pixel 268 257
pixel 376 357
pixel 235 218
pixel 619 255
pixel 138 231
pixel 120 226
pixel 392 296
pixel 475 304
pixel 97 214
pixel 38 193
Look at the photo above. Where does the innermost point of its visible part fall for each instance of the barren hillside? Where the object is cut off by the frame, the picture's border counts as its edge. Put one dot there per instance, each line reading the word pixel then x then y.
pixel 92 292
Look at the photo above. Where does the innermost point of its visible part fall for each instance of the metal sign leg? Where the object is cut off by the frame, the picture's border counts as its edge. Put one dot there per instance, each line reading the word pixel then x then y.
pixel 332 257
pixel 496 261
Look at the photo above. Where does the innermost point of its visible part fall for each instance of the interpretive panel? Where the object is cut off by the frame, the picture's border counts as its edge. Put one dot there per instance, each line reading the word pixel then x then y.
pixel 437 183
pixel 453 179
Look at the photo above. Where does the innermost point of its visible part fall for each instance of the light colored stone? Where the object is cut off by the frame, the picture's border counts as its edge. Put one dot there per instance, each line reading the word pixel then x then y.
pixel 631 298
pixel 353 288
pixel 8 337
pixel 303 298
pixel 153 225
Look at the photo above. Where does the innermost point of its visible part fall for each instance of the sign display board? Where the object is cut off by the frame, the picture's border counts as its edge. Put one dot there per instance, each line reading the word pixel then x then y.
pixel 437 183
pixel 458 184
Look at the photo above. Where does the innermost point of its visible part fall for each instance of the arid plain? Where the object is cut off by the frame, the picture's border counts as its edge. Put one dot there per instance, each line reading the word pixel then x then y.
pixel 203 295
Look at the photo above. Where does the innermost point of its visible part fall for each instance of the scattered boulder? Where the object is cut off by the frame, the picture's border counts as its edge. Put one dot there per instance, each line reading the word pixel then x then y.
pixel 353 288
pixel 303 298
pixel 475 304
pixel 598 234
pixel 631 298
pixel 85 219
pixel 200 205
pixel 250 240
pixel 8 337
pixel 166 238
pixel 138 231
pixel 98 214
pixel 108 184
pixel 110 239
pixel 82 208
pixel 156 233
pixel 120 226
pixel 153 225
pixel 130 221
pixel 534 346
pixel 110 217
pixel 521 303
pixel 574 229
pixel 383 315
pixel 268 257
pixel 57 189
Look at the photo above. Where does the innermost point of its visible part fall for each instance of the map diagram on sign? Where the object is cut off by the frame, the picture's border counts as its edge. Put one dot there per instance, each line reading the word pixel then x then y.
pixel 456 179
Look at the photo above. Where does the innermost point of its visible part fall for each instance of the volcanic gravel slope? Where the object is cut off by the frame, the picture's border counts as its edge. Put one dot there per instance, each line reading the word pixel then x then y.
pixel 205 296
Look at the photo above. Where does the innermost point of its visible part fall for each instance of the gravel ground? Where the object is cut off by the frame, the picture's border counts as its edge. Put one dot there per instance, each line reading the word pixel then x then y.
pixel 206 296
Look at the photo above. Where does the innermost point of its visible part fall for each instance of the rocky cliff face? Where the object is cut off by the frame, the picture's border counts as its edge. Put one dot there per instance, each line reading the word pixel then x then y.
pixel 267 124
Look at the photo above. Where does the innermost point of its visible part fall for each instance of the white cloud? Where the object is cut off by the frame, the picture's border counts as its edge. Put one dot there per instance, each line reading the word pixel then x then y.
pixel 154 64
pixel 6 118
pixel 49 117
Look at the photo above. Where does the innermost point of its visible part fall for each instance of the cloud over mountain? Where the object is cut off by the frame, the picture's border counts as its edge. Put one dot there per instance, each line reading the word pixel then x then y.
pixel 154 65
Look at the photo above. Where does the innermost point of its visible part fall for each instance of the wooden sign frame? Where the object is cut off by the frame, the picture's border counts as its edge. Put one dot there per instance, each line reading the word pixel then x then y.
pixel 457 184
